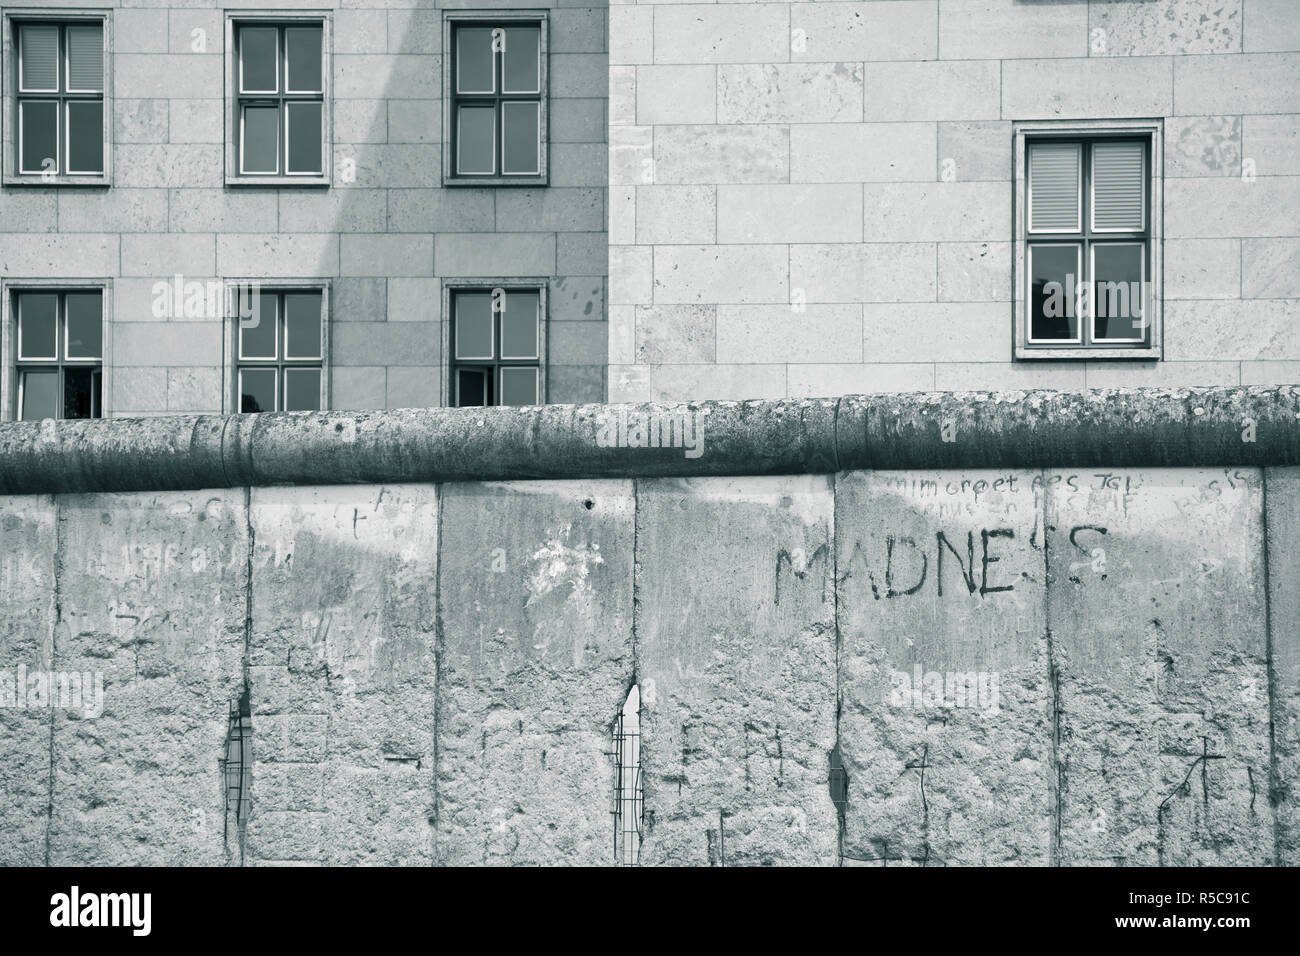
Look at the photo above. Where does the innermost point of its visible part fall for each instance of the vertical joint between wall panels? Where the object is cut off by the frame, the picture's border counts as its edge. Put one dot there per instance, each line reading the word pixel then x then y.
pixel 1058 781
pixel 54 637
pixel 838 779
pixel 235 763
pixel 1275 783
pixel 438 652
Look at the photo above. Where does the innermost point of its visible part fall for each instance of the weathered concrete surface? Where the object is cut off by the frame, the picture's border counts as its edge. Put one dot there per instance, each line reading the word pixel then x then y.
pixel 151 588
pixel 1156 607
pixel 1283 522
pixel 736 661
pixel 435 671
pixel 535 662
pixel 941 576
pixel 1006 429
pixel 28 597
pixel 342 674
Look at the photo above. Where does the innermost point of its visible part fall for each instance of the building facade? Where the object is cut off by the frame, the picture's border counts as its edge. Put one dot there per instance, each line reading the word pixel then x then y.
pixel 827 198
pixel 214 206
pixel 303 149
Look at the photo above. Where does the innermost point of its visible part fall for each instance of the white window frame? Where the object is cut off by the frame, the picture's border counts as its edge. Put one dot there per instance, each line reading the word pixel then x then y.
pixel 242 140
pixel 1153 130
pixel 490 174
pixel 450 112
pixel 1092 195
pixel 234 287
pixel 67 65
pixel 58 140
pixel 450 286
pixel 273 28
pixel 234 148
pixel 9 377
pixel 11 155
pixel 1029 281
pixel 1078 193
pixel 537 156
pixel 67 133
pixel 1092 293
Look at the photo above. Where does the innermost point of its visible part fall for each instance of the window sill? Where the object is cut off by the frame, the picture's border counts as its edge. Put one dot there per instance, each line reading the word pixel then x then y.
pixel 1084 354
pixel 535 182
pixel 64 179
pixel 280 182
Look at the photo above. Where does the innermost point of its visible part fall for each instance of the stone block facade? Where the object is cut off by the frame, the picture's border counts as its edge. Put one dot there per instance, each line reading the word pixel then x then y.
pixel 382 236
pixel 743 200
pixel 817 198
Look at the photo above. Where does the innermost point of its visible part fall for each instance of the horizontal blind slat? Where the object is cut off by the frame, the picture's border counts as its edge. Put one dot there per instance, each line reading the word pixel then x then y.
pixel 85 57
pixel 1117 187
pixel 40 57
pixel 1054 187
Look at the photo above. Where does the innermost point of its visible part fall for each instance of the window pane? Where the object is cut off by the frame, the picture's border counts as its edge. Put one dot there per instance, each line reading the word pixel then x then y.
pixel 86 136
pixel 39 122
pixel 39 61
pixel 37 325
pixel 85 325
pixel 257 389
pixel 1054 187
pixel 519 326
pixel 476 146
pixel 471 387
pixel 1054 280
pixel 302 325
pixel 40 395
pixel 303 49
pixel 519 136
pixel 81 392
pixel 521 60
pixel 257 334
pixel 258 58
pixel 474 60
pixel 1117 188
pixel 302 390
pixel 1118 291
pixel 518 386
pixel 474 325
pixel 304 137
pixel 261 136
pixel 86 58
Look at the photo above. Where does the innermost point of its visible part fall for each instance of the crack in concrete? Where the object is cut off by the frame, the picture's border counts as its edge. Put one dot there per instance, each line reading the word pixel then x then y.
pixel 54 637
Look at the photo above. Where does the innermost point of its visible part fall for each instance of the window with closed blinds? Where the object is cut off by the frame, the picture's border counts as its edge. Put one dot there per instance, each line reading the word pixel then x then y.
pixel 1054 193
pixel 1118 187
pixel 38 59
pixel 1088 248
pixel 60 98
pixel 85 59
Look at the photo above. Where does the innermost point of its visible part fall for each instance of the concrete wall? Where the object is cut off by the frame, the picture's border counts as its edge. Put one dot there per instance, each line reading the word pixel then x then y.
pixel 1107 660
pixel 384 234
pixel 781 222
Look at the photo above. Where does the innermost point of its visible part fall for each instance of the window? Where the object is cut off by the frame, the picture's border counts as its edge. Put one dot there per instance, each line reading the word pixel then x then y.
pixel 279 349
pixel 279 76
pixel 58 130
pixel 497 345
pixel 60 353
pixel 496 107
pixel 1087 254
